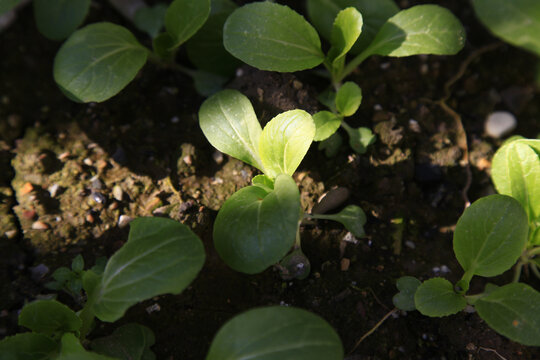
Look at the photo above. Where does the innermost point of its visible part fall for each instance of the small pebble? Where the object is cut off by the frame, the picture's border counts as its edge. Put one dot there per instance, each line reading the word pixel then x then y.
pixel 124 220
pixel 153 308
pixel 64 155
pixel 11 234
pixel 39 225
pixel 345 263
pixel 385 65
pixel 218 157
pixel 175 120
pixel 29 214
pixel 95 183
pixel 500 123
pixel 118 193
pixel 26 188
pixel 101 164
pixel 349 237
pixel 90 218
pixel 331 200
pixel 377 107
pixel 88 161
pixel 410 244
pixel 38 272
pixel 414 126
pixel 53 190
pixel 98 197
pixel 187 159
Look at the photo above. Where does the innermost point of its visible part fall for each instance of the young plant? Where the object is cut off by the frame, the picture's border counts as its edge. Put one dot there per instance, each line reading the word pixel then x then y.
pixel 274 37
pixel 99 60
pixel 161 256
pixel 258 225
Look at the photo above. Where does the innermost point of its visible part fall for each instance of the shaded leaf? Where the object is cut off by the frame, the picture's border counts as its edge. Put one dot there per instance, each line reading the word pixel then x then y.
pixel 57 19
pixel 6 5
pixel 360 138
pixel 207 83
pixel 128 342
pixel 326 124
pixel 352 217
pixel 184 17
pixel 348 98
pixel 27 346
pixel 331 145
pixel 404 299
pixel 72 349
pixel 436 297
pixel 48 317
pixel 150 19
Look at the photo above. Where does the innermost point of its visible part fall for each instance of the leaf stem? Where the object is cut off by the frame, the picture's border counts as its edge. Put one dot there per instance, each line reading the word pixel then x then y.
pixel 155 59
pixel 534 269
pixel 349 68
pixel 517 271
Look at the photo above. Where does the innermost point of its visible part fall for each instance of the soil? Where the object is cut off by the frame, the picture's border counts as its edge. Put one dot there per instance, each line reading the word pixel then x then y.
pixel 73 175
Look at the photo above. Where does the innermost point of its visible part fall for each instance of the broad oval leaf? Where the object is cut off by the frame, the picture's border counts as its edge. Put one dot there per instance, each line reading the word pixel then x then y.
pixel 150 19
pixel 490 235
pixel 184 17
pixel 228 121
pixel 516 172
pixel 436 297
pixel 404 299
pixel 359 138
pixel 72 349
pixel 348 98
pixel 48 317
pixel 272 37
pixel 161 256
pixel 345 31
pixel 326 124
pixel 517 22
pixel 375 13
pixel 513 310
pixel 28 346
pixel 129 342
pixel 421 29
pixel 352 217
pixel 331 145
pixel 276 333
pixel 254 228
pixel 284 142
pixel 98 61
pixel 57 19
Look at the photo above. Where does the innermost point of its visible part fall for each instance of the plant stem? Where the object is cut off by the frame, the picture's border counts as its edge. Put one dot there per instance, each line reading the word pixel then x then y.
pixel 298 242
pixel 517 271
pixel 153 58
pixel 534 269
pixel 534 251
pixel 349 68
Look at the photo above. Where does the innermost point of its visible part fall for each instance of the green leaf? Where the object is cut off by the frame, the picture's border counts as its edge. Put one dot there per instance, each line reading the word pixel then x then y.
pixel 77 264
pixel 421 29
pixel 436 297
pixel 48 317
pixel 359 138
pixel 513 310
pixel 62 274
pixel 328 99
pixel 331 145
pixel 276 333
pixel 348 98
pixel 6 5
pixel 184 18
pixel 517 22
pixel 254 229
pixel 516 172
pixel 205 49
pixel 490 235
pixel 150 19
pixel 228 121
pixel 375 13
pixel 163 45
pixel 27 346
pixel 352 217
pixel 73 350
pixel 98 61
pixel 57 19
pixel 272 37
pixel 161 256
pixel 207 83
pixel 404 299
pixel 326 124
pixel 285 141
pixel 263 182
pixel 128 342
pixel 346 29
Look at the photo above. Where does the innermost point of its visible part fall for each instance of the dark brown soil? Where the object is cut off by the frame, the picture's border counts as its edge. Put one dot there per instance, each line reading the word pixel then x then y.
pixel 145 144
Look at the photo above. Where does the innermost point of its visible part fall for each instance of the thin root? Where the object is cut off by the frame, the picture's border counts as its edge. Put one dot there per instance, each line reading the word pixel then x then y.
pixel 373 329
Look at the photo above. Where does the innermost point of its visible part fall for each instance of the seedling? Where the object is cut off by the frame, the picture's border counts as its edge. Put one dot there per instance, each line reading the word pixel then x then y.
pixel 99 60
pixel 161 256
pixel 258 225
pixel 492 235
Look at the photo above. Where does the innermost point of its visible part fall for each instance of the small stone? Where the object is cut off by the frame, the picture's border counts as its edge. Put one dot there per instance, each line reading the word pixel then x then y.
pixel 118 193
pixel 175 120
pixel 90 218
pixel 53 190
pixel 11 234
pixel 218 157
pixel 410 244
pixel 26 188
pixel 345 263
pixel 385 65
pixel 88 161
pixel 424 69
pixel 187 159
pixel 331 200
pixel 38 272
pixel 153 308
pixel 98 197
pixel 39 225
pixel 64 155
pixel 113 206
pixel 500 123
pixel 29 214
pixel 414 126
pixel 377 107
pixel 101 164
pixel 124 220
pixel 95 183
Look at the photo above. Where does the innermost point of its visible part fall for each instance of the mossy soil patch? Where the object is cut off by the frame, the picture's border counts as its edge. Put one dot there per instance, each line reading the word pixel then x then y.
pixel 73 175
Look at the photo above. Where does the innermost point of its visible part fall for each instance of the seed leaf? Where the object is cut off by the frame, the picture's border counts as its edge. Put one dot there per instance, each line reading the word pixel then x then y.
pixel 28 346
pixel 272 37
pixel 48 317
pixel 326 124
pixel 490 235
pixel 436 297
pixel 184 17
pixel 130 341
pixel 360 138
pixel 57 19
pixel 161 256
pixel 150 19
pixel 513 310
pixel 228 121
pixel 245 233
pixel 97 62
pixel 285 141
pixel 352 217
pixel 404 299
pixel 276 333
pixel 346 30
pixel 348 98
pixel 72 349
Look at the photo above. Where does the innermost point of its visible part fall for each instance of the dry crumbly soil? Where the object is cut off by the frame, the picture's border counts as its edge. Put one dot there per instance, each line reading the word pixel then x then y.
pixel 73 175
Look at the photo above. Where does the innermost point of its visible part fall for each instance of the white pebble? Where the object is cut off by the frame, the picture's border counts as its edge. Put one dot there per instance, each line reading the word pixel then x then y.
pixel 53 190
pixel 410 244
pixel 123 220
pixel 500 123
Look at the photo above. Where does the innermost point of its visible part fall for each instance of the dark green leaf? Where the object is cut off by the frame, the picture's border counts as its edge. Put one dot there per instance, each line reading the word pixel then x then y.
pixel 272 37
pixel 73 350
pixel 48 317
pixel 150 19
pixel 77 264
pixel 326 124
pixel 6 5
pixel 517 22
pixel 98 61
pixel 184 18
pixel 421 29
pixel 328 99
pixel 163 45
pixel 161 256
pixel 285 141
pixel 295 265
pixel 513 310
pixel 436 297
pixel 331 145
pixel 404 299
pixel 128 342
pixel 57 19
pixel 348 98
pixel 27 346
pixel 264 182
pixel 490 235
pixel 352 217
pixel 346 29
pixel 276 333
pixel 228 121
pixel 254 229
pixel 62 274
pixel 360 138
pixel 207 83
